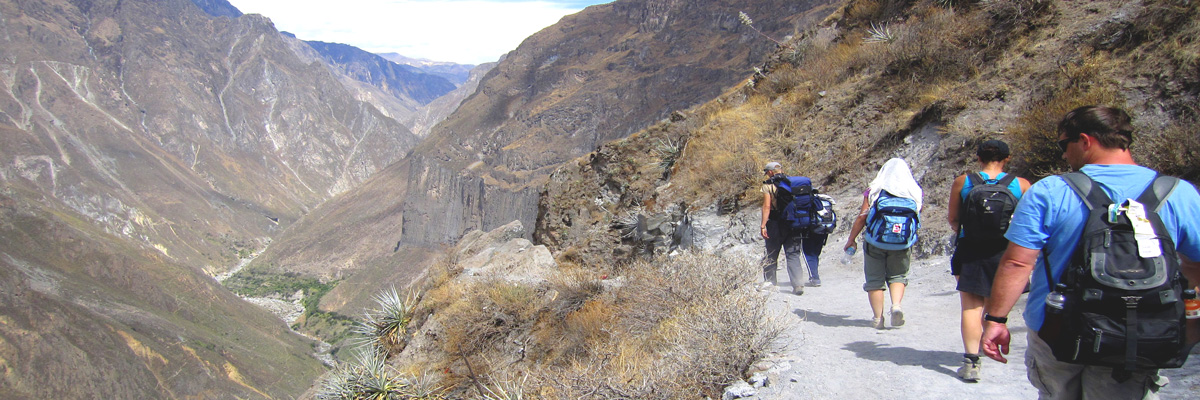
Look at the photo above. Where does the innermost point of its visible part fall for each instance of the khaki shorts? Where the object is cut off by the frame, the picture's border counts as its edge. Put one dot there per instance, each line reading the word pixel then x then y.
pixel 1057 380
pixel 883 267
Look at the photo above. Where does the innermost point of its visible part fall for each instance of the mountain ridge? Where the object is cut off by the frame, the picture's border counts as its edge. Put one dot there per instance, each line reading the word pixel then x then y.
pixel 476 171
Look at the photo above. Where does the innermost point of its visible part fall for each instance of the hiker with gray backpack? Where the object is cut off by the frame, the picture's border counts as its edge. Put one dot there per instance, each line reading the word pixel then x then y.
pixel 1109 249
pixel 796 219
pixel 889 219
pixel 980 207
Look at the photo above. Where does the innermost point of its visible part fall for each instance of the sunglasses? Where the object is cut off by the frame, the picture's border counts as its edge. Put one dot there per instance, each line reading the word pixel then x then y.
pixel 1062 144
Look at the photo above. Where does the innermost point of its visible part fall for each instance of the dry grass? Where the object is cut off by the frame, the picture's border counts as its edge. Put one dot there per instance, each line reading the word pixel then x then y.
pixel 682 328
pixel 675 328
pixel 724 157
pixel 1035 132
pixel 1175 150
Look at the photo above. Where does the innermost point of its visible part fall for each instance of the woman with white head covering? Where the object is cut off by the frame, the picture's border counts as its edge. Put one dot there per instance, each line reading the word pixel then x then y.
pixel 886 269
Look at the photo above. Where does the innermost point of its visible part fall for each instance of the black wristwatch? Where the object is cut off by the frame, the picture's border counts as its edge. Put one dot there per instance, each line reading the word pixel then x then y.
pixel 993 318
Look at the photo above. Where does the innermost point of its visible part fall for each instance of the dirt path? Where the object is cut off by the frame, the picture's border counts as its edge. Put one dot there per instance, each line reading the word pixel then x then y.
pixel 832 352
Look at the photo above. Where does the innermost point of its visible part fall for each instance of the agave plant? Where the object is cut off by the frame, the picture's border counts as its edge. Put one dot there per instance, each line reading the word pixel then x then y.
pixel 366 377
pixel 507 389
pixel 385 327
pixel 424 387
pixel 879 34
pixel 667 151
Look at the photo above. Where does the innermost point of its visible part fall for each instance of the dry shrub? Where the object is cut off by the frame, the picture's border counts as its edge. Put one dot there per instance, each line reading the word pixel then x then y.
pixel 838 62
pixel 722 158
pixel 681 327
pixel 863 10
pixel 1175 150
pixel 1034 133
pixel 1009 13
pixel 701 314
pixel 486 314
pixel 781 80
pixel 934 46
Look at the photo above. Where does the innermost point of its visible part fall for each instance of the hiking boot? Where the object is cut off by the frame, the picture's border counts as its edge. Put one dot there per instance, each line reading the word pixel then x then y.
pixel 798 290
pixel 813 283
pixel 877 323
pixel 897 316
pixel 969 372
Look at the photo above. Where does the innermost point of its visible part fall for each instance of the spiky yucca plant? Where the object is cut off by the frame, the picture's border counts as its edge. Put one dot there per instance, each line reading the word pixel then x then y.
pixel 367 377
pixel 385 327
pixel 508 389
pixel 880 34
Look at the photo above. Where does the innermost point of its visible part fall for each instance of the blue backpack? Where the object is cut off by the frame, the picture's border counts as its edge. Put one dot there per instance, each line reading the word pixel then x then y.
pixel 892 222
pixel 796 195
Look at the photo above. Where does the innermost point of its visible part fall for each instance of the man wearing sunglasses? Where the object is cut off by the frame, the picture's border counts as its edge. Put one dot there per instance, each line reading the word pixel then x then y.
pixel 1048 221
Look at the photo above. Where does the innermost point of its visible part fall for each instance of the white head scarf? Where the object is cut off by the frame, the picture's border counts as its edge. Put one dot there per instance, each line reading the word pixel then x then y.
pixel 896 178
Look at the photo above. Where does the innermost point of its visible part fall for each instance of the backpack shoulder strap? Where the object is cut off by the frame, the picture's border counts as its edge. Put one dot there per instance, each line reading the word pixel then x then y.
pixel 1006 180
pixel 1156 194
pixel 1087 189
pixel 975 178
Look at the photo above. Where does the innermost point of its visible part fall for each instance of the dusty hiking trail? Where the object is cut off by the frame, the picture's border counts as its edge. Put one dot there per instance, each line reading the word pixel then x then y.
pixel 833 353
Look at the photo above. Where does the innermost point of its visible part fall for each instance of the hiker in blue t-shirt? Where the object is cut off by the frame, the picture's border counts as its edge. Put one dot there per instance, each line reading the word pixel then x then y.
pixel 977 256
pixel 1048 221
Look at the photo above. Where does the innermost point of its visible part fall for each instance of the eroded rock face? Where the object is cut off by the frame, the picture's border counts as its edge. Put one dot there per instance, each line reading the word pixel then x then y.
pixel 142 144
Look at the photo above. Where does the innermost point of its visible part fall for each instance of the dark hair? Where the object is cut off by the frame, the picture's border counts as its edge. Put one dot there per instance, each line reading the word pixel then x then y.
pixel 1110 126
pixel 992 151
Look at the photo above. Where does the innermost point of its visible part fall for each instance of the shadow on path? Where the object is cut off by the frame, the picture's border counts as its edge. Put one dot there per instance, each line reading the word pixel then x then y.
pixel 824 319
pixel 943 362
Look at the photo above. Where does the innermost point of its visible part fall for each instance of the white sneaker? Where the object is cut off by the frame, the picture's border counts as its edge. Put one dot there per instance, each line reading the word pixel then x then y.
pixel 969 372
pixel 897 316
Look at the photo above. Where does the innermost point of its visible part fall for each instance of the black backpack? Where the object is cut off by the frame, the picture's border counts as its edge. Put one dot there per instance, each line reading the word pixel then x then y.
pixel 1121 310
pixel 988 208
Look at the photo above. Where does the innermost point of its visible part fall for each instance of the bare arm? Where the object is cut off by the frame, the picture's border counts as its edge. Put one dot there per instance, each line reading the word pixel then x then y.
pixel 859 223
pixel 1190 270
pixel 1024 184
pixel 766 213
pixel 1011 277
pixel 955 202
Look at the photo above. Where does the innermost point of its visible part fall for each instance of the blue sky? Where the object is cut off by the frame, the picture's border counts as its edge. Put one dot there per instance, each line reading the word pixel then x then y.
pixel 462 31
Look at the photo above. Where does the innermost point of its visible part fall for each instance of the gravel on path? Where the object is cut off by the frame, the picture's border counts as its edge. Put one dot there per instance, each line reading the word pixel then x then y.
pixel 830 351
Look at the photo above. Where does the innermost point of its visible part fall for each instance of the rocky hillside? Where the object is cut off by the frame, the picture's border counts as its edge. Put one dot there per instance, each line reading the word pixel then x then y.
pixel 598 75
pixel 143 146
pixel 920 80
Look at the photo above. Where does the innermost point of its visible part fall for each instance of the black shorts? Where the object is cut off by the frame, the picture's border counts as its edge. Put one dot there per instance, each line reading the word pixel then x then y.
pixel 975 265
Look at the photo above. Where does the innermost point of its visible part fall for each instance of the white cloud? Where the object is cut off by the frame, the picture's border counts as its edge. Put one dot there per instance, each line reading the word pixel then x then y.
pixel 464 31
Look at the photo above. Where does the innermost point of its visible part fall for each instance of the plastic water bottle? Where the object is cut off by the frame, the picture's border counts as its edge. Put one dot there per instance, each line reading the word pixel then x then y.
pixel 1191 304
pixel 1055 300
pixel 849 255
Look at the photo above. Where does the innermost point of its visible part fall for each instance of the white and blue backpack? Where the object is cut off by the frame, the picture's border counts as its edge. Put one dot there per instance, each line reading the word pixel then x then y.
pixel 892 222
